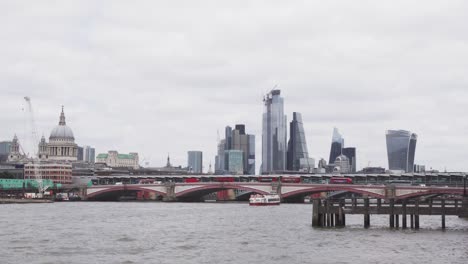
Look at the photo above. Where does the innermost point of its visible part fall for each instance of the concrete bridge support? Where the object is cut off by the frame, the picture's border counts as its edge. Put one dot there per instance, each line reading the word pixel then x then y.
pixel 464 211
pixel 170 192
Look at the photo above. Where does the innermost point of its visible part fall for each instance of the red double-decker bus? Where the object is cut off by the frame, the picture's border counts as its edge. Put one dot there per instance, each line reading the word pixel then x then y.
pixel 267 179
pixel 223 179
pixel 340 180
pixel 191 179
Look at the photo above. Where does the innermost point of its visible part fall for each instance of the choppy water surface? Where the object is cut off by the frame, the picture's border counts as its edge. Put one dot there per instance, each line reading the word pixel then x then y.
pixel 214 233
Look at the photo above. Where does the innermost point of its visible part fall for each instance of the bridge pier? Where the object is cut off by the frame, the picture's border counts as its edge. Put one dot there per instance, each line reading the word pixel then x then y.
pixel 464 208
pixel 392 208
pixel 403 216
pixel 324 214
pixel 170 192
pixel 366 213
pixel 443 214
pixel 416 216
pixel 316 216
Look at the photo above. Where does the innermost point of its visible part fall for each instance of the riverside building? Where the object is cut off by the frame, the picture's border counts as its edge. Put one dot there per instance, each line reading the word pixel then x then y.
pixel 115 160
pixel 57 172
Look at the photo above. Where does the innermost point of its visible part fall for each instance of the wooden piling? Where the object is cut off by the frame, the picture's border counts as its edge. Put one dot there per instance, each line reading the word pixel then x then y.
pixel 397 221
pixel 412 221
pixel 416 215
pixel 403 216
pixel 443 214
pixel 366 213
pixel 392 208
pixel 316 213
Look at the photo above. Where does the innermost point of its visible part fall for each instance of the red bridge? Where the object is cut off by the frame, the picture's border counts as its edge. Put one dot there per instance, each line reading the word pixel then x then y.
pixel 288 191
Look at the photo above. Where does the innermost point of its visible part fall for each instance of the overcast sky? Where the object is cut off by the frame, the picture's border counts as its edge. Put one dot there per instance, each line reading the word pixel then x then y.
pixel 159 77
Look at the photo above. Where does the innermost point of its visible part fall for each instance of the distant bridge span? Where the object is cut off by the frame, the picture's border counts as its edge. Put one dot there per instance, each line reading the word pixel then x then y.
pixel 181 191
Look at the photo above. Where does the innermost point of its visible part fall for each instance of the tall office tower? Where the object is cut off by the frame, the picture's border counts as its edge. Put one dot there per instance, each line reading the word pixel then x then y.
pixel 336 146
pixel 195 161
pixel 5 147
pixel 240 141
pixel 251 156
pixel 350 153
pixel 89 154
pixel 80 154
pixel 4 150
pixel 297 156
pixel 219 159
pixel 274 133
pixel 234 161
pixel 401 150
pixel 228 137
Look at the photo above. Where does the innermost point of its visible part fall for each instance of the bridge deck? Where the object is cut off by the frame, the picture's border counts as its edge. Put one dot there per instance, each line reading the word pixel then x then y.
pixel 430 207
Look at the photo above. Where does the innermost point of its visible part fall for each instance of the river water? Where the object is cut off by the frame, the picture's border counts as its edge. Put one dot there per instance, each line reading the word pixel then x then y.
pixel 132 232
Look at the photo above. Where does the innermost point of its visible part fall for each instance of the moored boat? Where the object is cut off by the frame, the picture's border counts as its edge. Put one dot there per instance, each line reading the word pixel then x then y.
pixel 262 200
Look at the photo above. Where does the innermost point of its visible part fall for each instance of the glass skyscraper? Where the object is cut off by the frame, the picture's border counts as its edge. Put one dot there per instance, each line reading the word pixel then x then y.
pixel 336 146
pixel 350 153
pixel 274 133
pixel 251 156
pixel 297 146
pixel 401 150
pixel 195 161
pixel 234 160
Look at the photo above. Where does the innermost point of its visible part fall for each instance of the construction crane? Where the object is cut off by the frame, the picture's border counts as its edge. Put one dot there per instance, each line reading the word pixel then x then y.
pixel 34 145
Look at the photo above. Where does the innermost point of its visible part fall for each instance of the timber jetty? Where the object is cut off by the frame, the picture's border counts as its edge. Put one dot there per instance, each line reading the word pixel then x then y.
pixel 332 213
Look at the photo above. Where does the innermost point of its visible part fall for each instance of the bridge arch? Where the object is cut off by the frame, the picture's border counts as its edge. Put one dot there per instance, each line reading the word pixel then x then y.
pixel 122 188
pixel 200 191
pixel 329 188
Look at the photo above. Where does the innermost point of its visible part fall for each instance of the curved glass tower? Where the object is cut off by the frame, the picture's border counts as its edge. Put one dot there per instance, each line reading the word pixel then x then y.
pixel 336 146
pixel 274 133
pixel 297 146
pixel 401 150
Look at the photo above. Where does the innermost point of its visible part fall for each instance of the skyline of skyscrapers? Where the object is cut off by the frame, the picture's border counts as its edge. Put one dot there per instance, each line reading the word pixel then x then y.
pixel 236 139
pixel 274 133
pixel 298 155
pixel 401 150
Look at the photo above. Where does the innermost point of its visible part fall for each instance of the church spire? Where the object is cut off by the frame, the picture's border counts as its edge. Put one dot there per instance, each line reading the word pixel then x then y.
pixel 168 165
pixel 62 118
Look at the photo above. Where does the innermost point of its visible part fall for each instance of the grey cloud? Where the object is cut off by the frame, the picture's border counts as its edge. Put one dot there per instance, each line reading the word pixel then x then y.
pixel 158 77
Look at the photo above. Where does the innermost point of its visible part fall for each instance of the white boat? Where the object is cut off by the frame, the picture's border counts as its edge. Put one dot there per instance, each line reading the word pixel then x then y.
pixel 262 200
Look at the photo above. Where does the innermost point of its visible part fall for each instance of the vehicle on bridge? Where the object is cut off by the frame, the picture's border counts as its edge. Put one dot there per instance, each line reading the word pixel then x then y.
pixel 226 179
pixel 290 179
pixel 340 180
pixel 191 179
pixel 267 179
pixel 146 181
